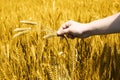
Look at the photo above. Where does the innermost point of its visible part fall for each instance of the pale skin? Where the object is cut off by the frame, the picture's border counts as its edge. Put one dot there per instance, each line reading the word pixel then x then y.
pixel 108 25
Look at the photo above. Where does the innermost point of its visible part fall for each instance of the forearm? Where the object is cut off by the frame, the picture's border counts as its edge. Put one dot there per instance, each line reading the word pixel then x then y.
pixel 107 25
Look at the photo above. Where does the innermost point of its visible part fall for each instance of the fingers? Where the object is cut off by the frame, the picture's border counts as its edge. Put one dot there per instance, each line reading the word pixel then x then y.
pixel 64 29
pixel 67 24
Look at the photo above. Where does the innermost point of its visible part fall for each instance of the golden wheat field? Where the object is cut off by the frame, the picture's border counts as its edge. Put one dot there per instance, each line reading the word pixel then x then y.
pixel 29 49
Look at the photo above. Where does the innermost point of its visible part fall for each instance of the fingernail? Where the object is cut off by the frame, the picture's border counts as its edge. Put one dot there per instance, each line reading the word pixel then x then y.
pixel 58 33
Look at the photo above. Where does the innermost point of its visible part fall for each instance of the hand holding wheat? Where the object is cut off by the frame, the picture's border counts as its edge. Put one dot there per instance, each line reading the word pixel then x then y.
pixel 73 29
pixel 106 25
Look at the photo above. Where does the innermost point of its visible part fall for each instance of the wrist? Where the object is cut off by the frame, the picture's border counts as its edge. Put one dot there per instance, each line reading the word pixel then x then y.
pixel 97 27
pixel 92 29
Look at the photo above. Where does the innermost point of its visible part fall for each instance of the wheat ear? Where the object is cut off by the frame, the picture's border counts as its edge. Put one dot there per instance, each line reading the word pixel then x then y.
pixel 20 33
pixel 28 22
pixel 21 29
pixel 50 35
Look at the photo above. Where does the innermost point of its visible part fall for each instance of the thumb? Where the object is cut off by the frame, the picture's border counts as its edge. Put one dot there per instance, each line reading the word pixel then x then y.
pixel 63 31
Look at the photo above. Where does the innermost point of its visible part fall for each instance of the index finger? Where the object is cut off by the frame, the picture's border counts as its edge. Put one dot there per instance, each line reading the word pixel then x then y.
pixel 62 30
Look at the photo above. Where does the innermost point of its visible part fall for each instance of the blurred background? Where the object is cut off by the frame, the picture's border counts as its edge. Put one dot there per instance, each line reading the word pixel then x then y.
pixel 26 55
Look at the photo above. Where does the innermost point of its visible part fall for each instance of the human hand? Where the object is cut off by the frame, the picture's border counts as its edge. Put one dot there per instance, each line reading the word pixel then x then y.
pixel 74 29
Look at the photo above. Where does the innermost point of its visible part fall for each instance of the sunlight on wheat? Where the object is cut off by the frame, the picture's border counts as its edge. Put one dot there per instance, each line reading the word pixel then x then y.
pixel 31 50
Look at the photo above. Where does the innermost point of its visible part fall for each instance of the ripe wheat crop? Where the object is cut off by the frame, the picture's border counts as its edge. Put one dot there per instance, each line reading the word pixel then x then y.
pixel 29 50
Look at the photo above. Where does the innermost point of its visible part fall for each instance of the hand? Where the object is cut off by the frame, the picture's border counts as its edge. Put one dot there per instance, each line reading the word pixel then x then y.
pixel 106 25
pixel 74 29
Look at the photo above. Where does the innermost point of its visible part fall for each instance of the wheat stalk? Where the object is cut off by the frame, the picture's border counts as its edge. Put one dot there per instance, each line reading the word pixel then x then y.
pixel 50 35
pixel 28 22
pixel 53 35
pixel 20 33
pixel 21 29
